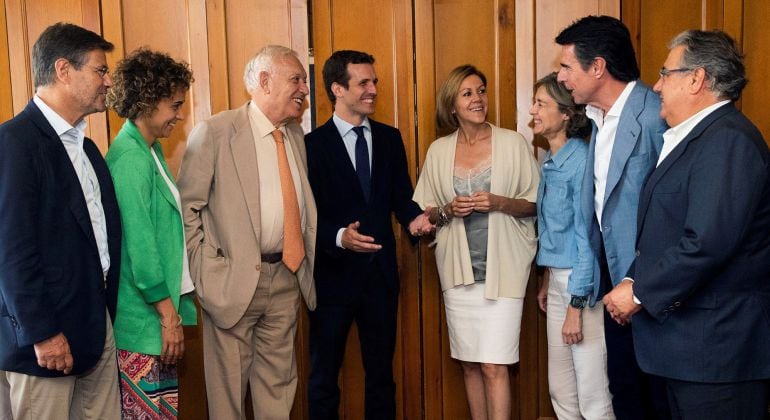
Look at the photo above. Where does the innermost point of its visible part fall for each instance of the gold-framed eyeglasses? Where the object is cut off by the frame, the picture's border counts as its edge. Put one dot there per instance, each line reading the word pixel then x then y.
pixel 665 72
pixel 102 71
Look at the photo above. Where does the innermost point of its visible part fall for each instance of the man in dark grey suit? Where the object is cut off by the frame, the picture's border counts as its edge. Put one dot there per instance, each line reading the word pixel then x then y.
pixel 59 238
pixel 699 289
pixel 599 66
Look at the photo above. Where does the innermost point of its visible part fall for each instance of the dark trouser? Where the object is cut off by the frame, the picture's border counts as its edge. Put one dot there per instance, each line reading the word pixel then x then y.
pixel 735 401
pixel 375 315
pixel 635 394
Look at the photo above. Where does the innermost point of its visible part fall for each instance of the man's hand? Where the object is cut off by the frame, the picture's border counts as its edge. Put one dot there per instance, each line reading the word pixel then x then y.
pixel 572 330
pixel 421 224
pixel 54 354
pixel 357 242
pixel 619 302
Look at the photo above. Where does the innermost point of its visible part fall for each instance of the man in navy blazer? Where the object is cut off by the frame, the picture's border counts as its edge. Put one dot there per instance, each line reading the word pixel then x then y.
pixel 358 172
pixel 699 289
pixel 599 66
pixel 59 239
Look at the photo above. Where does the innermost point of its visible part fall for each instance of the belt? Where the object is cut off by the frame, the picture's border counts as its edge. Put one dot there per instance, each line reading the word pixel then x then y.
pixel 272 258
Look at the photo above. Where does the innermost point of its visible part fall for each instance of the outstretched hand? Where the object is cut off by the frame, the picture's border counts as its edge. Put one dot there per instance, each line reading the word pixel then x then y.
pixel 421 224
pixel 357 242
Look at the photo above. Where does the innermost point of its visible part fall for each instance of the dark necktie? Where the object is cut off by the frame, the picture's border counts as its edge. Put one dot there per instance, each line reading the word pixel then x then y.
pixel 362 162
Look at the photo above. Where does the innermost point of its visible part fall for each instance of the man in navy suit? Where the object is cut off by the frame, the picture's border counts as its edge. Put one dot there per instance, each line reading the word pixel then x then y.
pixel 59 239
pixel 599 66
pixel 358 172
pixel 699 289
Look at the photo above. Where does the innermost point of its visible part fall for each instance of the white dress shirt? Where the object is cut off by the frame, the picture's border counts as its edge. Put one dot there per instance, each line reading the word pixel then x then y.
pixel 72 138
pixel 270 196
pixel 349 138
pixel 674 135
pixel 605 140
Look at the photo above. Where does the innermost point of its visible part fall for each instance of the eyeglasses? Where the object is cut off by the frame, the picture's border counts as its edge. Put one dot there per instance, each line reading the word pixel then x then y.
pixel 102 71
pixel 665 72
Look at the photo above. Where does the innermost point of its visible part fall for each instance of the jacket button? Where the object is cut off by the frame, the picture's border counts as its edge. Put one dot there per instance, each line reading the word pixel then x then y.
pixel 638 253
pixel 257 267
pixel 677 304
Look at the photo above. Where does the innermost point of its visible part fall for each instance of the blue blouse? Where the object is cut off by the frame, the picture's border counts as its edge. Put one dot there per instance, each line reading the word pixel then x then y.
pixel 561 226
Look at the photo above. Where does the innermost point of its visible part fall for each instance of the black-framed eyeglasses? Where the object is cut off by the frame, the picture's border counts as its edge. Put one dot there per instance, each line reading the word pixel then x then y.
pixel 665 72
pixel 102 71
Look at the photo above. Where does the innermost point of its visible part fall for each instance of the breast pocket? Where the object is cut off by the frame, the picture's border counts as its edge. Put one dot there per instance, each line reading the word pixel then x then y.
pixel 557 205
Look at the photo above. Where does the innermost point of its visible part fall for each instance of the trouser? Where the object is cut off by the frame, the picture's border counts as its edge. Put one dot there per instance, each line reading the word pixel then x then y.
pixel 257 351
pixel 577 373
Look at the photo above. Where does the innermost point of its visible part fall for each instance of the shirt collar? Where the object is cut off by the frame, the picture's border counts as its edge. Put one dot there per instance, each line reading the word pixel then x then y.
pixel 564 153
pixel 596 114
pixel 684 128
pixel 260 123
pixel 59 124
pixel 344 127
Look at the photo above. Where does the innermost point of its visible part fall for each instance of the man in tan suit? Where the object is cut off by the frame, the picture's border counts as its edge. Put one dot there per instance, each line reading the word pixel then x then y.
pixel 243 260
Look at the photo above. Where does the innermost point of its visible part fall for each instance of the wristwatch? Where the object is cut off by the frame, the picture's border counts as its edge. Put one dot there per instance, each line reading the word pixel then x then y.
pixel 578 302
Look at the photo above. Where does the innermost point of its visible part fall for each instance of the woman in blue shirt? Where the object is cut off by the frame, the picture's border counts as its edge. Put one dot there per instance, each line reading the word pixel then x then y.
pixel 577 356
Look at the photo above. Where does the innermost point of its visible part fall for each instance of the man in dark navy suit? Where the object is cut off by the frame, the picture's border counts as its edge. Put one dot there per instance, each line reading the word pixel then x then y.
pixel 358 172
pixel 699 288
pixel 59 239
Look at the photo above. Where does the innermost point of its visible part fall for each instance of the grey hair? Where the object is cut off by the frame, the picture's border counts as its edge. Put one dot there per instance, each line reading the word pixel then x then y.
pixel 263 61
pixel 717 54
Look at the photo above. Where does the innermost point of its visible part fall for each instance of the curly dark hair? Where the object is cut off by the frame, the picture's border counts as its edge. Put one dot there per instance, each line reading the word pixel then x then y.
pixel 143 79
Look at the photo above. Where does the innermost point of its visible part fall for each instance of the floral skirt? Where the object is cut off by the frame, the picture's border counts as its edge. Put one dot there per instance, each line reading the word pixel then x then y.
pixel 148 390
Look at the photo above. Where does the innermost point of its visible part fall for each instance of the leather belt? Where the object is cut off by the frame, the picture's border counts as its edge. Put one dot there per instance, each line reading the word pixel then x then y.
pixel 272 258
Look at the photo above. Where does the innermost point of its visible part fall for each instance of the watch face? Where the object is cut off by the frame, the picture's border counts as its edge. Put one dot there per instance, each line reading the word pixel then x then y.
pixel 578 302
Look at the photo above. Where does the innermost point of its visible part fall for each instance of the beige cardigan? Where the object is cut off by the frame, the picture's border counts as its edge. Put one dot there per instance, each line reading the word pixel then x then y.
pixel 512 241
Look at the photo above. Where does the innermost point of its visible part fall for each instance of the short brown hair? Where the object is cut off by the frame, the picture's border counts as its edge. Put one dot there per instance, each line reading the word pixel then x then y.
pixel 578 125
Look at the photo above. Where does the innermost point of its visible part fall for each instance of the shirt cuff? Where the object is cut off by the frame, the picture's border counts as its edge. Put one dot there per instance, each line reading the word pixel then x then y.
pixel 633 296
pixel 339 238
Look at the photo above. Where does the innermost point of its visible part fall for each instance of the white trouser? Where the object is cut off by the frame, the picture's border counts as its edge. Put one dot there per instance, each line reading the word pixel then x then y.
pixel 577 373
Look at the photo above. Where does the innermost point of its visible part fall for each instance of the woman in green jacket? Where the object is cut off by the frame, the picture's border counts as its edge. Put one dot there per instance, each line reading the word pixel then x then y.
pixel 155 295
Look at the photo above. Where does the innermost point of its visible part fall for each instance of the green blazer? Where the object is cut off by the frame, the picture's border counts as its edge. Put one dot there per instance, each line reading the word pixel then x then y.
pixel 153 242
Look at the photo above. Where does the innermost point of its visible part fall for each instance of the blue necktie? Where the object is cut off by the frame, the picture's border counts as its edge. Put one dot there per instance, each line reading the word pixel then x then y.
pixel 362 162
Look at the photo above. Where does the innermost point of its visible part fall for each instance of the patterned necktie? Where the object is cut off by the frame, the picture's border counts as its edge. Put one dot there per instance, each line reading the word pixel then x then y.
pixel 293 245
pixel 362 162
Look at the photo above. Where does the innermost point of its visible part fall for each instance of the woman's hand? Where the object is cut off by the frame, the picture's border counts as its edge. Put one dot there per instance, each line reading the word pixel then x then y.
pixel 572 331
pixel 460 206
pixel 542 295
pixel 171 332
pixel 486 202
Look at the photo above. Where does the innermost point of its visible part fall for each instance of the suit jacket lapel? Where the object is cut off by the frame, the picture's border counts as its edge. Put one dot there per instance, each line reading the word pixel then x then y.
pixel 245 158
pixel 659 172
pixel 339 155
pixel 379 159
pixel 69 181
pixel 625 139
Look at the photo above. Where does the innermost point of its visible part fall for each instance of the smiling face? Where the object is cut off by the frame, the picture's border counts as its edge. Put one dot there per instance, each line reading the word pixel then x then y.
pixel 286 90
pixel 581 82
pixel 161 122
pixel 87 86
pixel 471 103
pixel 547 120
pixel 357 100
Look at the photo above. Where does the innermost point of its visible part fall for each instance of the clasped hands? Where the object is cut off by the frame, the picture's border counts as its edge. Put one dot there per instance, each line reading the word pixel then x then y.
pixel 619 302
pixel 481 201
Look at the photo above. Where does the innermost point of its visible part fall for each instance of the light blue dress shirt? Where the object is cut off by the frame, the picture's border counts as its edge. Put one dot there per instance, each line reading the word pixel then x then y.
pixel 561 225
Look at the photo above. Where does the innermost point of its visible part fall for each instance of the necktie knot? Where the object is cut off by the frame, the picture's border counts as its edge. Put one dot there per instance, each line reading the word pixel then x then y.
pixel 277 136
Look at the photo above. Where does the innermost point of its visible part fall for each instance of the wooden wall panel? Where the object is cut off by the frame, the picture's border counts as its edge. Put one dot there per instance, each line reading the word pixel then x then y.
pixel 6 93
pixel 756 45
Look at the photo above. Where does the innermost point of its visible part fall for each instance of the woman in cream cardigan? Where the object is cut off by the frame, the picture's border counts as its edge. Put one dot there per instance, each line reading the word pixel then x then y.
pixel 479 185
pixel 154 296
